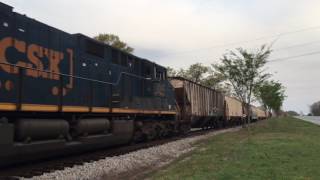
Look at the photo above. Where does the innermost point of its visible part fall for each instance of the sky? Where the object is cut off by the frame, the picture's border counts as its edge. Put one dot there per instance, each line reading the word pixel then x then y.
pixel 178 33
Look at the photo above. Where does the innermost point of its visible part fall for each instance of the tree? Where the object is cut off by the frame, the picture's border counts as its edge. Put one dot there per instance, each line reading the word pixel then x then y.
pixel 292 113
pixel 245 71
pixel 177 73
pixel 213 79
pixel 171 72
pixel 216 81
pixel 114 41
pixel 204 75
pixel 315 109
pixel 271 94
pixel 196 72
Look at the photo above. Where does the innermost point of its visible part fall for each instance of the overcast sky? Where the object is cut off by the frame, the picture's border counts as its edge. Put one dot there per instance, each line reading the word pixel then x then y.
pixel 178 33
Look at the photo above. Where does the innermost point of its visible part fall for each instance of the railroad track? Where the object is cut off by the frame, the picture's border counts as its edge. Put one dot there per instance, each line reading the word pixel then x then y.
pixel 31 169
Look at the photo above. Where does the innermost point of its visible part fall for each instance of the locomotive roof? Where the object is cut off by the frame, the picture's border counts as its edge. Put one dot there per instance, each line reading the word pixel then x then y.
pixel 106 45
pixel 8 10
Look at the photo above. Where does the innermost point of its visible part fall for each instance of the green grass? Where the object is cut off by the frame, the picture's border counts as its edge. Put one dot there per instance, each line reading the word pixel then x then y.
pixel 284 148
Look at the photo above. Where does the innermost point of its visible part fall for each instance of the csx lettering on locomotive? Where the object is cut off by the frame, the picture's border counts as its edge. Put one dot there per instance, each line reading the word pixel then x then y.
pixel 35 67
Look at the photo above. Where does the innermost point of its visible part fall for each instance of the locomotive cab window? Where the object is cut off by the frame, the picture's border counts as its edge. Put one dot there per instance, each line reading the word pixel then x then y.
pixel 130 62
pixel 147 72
pixel 124 61
pixel 119 58
pixel 94 48
pixel 165 75
pixel 147 69
pixel 136 65
pixel 160 73
pixel 115 56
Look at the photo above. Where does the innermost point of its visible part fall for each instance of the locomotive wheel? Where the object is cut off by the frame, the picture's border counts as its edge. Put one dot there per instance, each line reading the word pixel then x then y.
pixel 152 134
pixel 138 137
pixel 215 125
pixel 204 128
pixel 28 140
pixel 162 130
pixel 184 129
pixel 219 124
pixel 170 130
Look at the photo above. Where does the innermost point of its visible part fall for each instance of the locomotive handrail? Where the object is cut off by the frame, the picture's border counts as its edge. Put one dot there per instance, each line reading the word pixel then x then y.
pixel 83 78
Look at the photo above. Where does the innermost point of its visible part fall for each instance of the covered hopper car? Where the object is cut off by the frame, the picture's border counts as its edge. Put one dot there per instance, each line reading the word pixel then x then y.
pixel 260 113
pixel 199 106
pixel 234 111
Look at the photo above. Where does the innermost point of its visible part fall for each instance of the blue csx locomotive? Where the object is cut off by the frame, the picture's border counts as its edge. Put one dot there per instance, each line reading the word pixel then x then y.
pixel 63 93
pixel 66 91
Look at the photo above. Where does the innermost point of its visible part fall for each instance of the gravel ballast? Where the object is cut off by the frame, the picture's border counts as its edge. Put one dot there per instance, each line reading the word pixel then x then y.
pixel 130 164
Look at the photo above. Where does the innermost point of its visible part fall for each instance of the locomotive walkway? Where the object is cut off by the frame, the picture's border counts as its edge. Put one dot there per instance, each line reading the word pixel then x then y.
pixel 312 119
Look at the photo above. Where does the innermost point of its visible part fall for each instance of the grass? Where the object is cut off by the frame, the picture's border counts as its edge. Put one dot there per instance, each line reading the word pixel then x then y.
pixel 283 148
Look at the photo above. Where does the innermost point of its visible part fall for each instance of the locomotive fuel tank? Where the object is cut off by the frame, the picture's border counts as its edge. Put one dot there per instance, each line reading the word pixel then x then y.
pixel 92 126
pixel 40 129
pixel 6 133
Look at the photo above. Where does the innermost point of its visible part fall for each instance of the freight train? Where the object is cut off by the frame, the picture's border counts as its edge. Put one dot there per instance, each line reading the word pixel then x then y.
pixel 63 93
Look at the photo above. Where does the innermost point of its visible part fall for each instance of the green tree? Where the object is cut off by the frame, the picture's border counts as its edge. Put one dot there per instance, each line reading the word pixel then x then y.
pixel 201 74
pixel 292 113
pixel 315 109
pixel 196 72
pixel 114 41
pixel 245 71
pixel 171 72
pixel 182 73
pixel 271 94
pixel 215 80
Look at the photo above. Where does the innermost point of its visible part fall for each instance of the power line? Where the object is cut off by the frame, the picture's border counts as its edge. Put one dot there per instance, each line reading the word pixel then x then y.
pixel 293 57
pixel 293 46
pixel 247 41
pixel 297 45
